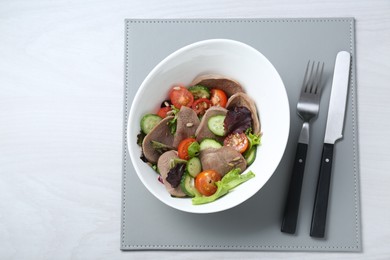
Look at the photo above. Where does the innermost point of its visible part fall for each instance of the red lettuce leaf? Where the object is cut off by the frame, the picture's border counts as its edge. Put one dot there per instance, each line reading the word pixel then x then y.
pixel 238 120
pixel 175 174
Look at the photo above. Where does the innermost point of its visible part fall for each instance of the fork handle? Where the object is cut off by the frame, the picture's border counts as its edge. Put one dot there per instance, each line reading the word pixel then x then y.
pixel 290 216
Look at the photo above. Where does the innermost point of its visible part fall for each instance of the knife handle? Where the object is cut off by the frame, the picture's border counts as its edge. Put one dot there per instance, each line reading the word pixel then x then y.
pixel 290 216
pixel 320 208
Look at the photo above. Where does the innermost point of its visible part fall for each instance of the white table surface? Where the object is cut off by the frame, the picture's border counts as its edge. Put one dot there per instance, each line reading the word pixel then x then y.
pixel 61 93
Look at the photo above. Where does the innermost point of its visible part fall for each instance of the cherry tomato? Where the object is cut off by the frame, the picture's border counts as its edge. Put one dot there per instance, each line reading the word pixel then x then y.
pixel 205 182
pixel 237 141
pixel 218 97
pixel 162 112
pixel 201 105
pixel 182 149
pixel 181 96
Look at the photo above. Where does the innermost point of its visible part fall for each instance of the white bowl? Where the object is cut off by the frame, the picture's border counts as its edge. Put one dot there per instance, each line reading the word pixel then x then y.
pixel 260 80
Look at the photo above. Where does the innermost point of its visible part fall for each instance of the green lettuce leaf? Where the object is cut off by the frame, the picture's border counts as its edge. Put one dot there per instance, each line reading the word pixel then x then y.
pixel 254 139
pixel 228 182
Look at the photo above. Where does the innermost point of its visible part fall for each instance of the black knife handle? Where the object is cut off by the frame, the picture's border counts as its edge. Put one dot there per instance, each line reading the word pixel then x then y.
pixel 290 216
pixel 320 208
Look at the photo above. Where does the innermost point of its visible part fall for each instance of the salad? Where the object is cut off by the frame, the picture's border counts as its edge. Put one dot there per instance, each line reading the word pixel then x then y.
pixel 202 138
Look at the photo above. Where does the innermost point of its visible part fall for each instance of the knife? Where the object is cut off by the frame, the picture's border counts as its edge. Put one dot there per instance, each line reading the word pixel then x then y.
pixel 333 132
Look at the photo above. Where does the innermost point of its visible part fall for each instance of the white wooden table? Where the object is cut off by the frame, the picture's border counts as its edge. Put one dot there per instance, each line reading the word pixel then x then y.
pixel 61 62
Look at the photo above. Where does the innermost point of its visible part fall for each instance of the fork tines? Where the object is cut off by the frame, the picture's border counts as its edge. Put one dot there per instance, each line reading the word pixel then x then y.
pixel 311 80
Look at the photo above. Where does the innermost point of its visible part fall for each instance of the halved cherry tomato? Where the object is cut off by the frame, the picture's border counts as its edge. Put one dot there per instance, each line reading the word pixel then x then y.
pixel 201 105
pixel 182 149
pixel 218 97
pixel 162 112
pixel 181 96
pixel 205 182
pixel 237 141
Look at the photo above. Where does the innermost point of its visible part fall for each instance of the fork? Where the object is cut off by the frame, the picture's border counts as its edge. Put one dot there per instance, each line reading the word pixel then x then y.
pixel 307 108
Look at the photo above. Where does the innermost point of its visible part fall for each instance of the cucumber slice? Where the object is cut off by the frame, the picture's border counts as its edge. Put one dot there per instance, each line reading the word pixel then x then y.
pixel 193 149
pixel 250 155
pixel 148 122
pixel 199 91
pixel 187 184
pixel 194 166
pixel 216 126
pixel 209 143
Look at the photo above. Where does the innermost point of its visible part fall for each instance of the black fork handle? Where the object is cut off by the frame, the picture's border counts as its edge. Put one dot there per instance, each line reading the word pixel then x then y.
pixel 290 216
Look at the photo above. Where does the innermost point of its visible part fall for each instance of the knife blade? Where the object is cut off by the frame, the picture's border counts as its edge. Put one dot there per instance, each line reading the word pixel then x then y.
pixel 333 132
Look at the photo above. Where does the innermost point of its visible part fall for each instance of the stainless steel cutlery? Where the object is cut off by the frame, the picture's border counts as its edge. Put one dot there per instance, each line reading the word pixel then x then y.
pixel 308 108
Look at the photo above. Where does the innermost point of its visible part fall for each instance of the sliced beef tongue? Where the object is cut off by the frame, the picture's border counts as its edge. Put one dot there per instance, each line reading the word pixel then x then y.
pixel 242 99
pixel 164 166
pixel 160 133
pixel 222 160
pixel 228 85
pixel 187 123
pixel 203 130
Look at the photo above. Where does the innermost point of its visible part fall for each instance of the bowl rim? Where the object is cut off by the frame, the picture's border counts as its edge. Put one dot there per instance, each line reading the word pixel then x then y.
pixel 139 93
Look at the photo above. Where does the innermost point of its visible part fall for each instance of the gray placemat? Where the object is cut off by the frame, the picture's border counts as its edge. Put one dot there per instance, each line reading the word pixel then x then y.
pixel 148 224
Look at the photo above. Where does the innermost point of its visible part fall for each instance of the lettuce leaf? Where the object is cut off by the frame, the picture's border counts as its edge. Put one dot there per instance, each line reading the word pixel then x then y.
pixel 254 139
pixel 228 182
pixel 237 120
pixel 173 122
pixel 233 178
pixel 175 174
pixel 221 191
